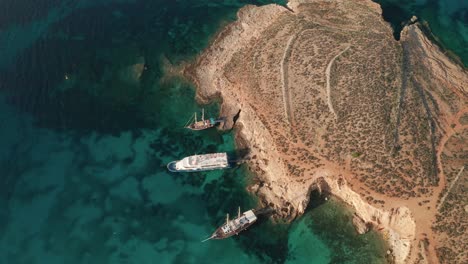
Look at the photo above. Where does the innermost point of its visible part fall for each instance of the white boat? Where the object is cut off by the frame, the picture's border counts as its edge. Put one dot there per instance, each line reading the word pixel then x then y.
pixel 203 162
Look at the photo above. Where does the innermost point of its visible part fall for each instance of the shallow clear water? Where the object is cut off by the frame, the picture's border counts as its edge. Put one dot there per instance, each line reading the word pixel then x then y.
pixel 87 125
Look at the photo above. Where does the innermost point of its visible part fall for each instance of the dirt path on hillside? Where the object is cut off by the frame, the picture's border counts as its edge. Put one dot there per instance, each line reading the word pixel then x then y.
pixel 327 73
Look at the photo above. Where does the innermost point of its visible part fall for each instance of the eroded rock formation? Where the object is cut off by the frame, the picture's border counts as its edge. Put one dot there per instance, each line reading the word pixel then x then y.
pixel 330 100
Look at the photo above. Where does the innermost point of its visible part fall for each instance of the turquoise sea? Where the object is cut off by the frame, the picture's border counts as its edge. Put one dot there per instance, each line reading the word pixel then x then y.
pixel 87 125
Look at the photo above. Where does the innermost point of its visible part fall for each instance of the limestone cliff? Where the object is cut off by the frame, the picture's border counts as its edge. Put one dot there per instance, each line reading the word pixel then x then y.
pixel 330 100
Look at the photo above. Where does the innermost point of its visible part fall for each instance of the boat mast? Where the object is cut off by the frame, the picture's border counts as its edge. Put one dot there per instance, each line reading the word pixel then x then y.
pixel 195 117
pixel 238 212
pixel 187 124
pixel 203 114
pixel 227 219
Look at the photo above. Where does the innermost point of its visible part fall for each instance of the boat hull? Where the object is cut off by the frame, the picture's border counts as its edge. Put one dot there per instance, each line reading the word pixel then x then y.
pixel 172 168
pixel 205 124
pixel 219 234
pixel 202 125
pixel 199 128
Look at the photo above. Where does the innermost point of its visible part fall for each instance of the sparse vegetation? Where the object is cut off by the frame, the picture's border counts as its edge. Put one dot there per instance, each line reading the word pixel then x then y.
pixel 388 120
pixel 451 225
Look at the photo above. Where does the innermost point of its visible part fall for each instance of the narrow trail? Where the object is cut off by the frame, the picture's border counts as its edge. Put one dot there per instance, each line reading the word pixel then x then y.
pixel 284 79
pixel 327 73
pixel 450 188
pixel 455 119
pixel 431 215
pixel 422 216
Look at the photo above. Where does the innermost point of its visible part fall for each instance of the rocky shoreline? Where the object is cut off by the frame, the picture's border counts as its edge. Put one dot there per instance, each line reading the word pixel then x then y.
pixel 277 185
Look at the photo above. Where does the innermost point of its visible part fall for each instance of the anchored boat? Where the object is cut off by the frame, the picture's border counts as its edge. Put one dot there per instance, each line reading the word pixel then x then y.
pixel 203 162
pixel 234 226
pixel 203 123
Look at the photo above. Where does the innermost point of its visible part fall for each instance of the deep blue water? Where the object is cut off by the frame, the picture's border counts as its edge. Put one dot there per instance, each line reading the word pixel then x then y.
pixel 87 125
pixel 445 20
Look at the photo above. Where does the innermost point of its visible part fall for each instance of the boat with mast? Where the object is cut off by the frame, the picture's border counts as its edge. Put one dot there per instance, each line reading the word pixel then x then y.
pixel 203 123
pixel 234 226
pixel 204 162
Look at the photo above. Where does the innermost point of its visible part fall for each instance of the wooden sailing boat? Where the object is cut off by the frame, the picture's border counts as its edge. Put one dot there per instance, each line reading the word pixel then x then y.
pixel 203 123
pixel 234 226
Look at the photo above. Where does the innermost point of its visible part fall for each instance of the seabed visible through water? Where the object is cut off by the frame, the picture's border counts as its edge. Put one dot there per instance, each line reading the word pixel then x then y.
pixel 87 128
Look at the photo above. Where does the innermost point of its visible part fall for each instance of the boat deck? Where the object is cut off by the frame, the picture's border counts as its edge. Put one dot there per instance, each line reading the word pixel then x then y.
pixel 200 163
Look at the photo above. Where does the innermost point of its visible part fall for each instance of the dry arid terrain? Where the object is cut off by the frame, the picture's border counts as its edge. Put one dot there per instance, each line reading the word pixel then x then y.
pixel 329 100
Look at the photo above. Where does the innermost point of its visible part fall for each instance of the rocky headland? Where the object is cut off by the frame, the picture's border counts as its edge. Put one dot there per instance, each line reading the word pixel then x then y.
pixel 327 99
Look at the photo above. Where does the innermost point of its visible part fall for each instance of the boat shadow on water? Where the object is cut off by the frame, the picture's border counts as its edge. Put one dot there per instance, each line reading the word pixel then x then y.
pixel 238 156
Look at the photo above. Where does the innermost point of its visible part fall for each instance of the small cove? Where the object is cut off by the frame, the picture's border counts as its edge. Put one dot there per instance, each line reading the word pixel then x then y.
pixel 88 126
